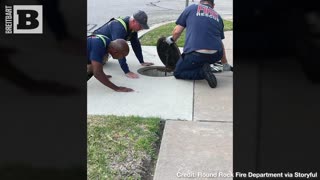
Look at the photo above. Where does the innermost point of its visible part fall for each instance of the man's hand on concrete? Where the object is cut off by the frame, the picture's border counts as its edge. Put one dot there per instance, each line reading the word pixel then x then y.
pixel 123 89
pixel 147 64
pixel 132 75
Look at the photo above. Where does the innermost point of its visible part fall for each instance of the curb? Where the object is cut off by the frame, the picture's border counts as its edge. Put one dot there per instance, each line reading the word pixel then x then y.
pixel 143 32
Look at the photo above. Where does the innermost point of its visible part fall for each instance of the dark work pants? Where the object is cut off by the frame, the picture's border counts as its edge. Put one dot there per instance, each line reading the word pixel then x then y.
pixel 189 66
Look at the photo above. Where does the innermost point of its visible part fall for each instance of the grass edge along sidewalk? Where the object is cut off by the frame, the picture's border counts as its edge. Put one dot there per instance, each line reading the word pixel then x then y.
pixel 151 37
pixel 122 147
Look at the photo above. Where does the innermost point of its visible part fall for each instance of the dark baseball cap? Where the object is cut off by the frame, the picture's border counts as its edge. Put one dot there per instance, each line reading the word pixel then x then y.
pixel 142 19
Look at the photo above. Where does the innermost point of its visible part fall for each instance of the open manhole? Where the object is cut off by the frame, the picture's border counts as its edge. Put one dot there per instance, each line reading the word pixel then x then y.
pixel 169 55
pixel 156 71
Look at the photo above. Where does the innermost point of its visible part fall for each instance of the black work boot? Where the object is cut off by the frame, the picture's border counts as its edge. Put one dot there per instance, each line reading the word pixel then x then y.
pixel 209 76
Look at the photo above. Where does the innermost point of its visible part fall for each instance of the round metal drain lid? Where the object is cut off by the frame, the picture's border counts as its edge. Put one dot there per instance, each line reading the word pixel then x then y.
pixel 168 54
pixel 156 71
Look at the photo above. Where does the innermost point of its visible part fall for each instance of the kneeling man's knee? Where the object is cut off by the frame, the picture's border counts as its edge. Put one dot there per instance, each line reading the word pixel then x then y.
pixel 176 75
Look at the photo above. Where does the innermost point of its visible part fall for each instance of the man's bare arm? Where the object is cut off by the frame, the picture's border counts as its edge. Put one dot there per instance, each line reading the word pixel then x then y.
pixel 103 78
pixel 176 33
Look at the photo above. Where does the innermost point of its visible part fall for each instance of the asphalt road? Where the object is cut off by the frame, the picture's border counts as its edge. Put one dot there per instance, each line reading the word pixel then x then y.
pixel 100 11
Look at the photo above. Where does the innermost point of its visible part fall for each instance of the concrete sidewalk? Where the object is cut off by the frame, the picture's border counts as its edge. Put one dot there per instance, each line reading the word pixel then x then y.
pixel 202 148
pixel 195 150
pixel 197 139
pixel 164 97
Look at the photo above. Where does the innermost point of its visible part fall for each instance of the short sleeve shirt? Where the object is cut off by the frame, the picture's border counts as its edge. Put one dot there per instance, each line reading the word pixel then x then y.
pixel 96 49
pixel 204 28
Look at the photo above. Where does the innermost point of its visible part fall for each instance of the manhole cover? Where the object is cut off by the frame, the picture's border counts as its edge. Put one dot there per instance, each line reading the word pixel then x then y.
pixel 156 71
pixel 168 54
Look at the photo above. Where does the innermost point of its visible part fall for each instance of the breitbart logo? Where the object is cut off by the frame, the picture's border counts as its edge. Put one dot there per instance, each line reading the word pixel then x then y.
pixel 23 19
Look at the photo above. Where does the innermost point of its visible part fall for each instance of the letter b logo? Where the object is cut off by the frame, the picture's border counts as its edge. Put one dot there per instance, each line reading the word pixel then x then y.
pixel 27 19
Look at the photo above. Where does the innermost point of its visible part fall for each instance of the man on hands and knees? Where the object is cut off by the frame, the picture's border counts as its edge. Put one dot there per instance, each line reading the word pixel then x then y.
pixel 97 47
pixel 203 44
pixel 127 28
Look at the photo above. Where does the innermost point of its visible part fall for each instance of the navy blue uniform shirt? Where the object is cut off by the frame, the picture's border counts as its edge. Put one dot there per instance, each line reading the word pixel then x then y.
pixel 204 28
pixel 115 30
pixel 96 49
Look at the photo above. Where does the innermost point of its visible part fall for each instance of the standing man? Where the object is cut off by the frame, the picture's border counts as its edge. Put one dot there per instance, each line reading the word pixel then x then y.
pixel 97 47
pixel 203 45
pixel 127 28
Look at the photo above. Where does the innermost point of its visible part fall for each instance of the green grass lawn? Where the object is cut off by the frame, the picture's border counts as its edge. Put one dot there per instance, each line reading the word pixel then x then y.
pixel 151 38
pixel 122 147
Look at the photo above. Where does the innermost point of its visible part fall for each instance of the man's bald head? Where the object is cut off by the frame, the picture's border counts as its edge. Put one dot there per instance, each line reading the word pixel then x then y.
pixel 118 48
